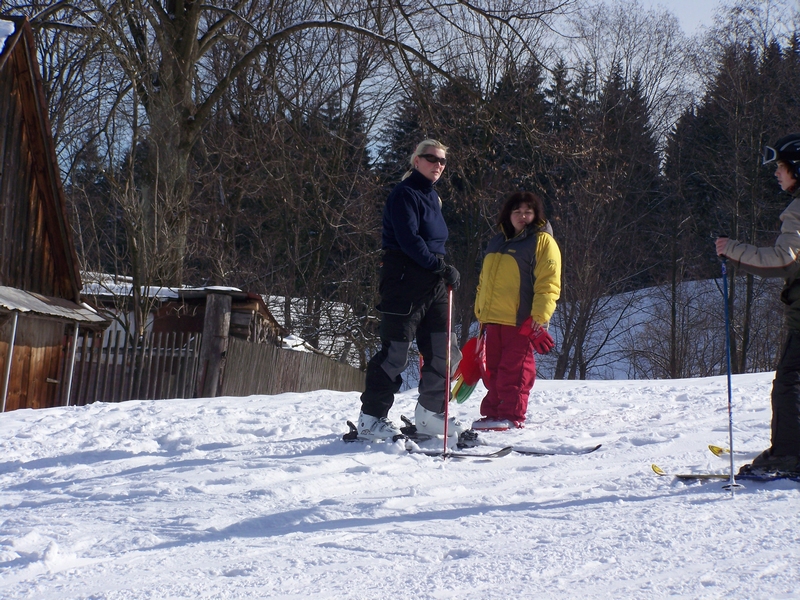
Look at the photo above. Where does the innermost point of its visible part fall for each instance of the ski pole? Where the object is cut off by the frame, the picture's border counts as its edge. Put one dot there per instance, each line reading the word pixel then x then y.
pixel 732 485
pixel 447 364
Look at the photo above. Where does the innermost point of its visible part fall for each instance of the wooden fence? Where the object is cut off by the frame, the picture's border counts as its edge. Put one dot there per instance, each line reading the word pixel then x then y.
pixel 161 365
pixel 165 365
pixel 264 369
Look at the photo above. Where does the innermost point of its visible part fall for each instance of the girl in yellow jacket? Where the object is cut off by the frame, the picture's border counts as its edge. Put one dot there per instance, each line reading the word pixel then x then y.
pixel 519 284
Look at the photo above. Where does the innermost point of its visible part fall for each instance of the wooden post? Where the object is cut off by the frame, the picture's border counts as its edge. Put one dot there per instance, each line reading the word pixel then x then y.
pixel 9 358
pixel 72 352
pixel 216 325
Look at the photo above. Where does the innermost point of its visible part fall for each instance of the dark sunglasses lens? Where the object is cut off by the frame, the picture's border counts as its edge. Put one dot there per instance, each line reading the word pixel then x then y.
pixel 432 158
pixel 769 154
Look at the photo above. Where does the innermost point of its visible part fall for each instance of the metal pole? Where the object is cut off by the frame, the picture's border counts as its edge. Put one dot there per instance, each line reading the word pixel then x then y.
pixel 447 364
pixel 9 358
pixel 731 485
pixel 72 362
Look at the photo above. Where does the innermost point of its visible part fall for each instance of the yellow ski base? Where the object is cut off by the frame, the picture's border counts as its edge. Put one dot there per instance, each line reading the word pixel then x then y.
pixel 718 450
pixel 689 476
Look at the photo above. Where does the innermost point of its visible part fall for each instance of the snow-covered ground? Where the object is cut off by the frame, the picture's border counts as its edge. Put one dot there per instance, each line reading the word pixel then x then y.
pixel 258 498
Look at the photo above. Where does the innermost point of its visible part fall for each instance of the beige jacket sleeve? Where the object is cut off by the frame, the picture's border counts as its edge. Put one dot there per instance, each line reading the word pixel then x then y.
pixel 780 260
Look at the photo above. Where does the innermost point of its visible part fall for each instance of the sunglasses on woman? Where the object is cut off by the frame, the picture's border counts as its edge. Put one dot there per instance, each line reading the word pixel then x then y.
pixel 432 158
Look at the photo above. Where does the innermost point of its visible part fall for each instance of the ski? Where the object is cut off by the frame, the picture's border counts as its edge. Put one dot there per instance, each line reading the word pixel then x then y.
pixel 489 455
pixel 546 452
pixel 718 450
pixel 461 445
pixel 725 476
pixel 352 436
pixel 689 476
pixel 470 439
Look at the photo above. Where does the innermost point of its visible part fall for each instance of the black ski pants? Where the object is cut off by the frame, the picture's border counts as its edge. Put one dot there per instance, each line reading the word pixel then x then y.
pixel 786 399
pixel 413 305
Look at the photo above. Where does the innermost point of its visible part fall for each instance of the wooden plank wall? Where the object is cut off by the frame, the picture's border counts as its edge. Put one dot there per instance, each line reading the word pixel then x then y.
pixel 38 357
pixel 266 369
pixel 31 257
pixel 14 177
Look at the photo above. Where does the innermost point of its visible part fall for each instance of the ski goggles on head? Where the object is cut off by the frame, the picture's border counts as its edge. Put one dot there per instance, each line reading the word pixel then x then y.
pixel 770 155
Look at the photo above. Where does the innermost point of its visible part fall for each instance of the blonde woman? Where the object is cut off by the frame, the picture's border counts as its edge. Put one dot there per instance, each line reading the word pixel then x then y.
pixel 414 279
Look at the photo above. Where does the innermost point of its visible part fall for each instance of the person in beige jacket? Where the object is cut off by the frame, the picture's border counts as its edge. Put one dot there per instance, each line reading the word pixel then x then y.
pixel 780 260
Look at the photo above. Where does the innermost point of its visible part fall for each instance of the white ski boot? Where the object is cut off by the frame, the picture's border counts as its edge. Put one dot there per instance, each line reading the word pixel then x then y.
pixel 431 423
pixel 376 428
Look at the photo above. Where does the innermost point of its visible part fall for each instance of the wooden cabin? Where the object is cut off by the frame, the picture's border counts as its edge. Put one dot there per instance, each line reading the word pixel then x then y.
pixel 40 302
pixel 182 309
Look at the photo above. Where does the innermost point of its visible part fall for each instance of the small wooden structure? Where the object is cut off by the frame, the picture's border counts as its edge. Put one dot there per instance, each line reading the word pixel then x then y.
pixel 250 319
pixel 40 304
pixel 183 352
pixel 219 314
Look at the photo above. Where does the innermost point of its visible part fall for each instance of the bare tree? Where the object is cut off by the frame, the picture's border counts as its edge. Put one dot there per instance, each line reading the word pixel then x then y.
pixel 698 348
pixel 648 46
pixel 163 51
pixel 170 74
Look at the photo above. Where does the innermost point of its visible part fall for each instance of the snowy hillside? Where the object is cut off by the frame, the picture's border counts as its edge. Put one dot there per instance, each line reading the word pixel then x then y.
pixel 258 498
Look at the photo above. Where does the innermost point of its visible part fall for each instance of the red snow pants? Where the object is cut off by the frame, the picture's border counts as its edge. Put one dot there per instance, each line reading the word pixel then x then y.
pixel 510 373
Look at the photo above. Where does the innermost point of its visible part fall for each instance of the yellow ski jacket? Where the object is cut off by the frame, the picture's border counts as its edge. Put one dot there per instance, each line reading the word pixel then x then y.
pixel 520 278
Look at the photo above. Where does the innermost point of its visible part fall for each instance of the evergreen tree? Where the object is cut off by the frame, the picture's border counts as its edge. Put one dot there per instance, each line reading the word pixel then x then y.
pixel 714 171
pixel 607 186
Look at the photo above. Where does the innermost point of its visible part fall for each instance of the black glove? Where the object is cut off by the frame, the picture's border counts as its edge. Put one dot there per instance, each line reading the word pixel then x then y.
pixel 449 273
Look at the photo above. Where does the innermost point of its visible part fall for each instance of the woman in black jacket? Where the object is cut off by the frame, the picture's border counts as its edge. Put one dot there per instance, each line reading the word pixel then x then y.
pixel 414 279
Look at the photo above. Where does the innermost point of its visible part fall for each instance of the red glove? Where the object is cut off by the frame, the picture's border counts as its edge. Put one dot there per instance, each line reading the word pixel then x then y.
pixel 470 368
pixel 541 340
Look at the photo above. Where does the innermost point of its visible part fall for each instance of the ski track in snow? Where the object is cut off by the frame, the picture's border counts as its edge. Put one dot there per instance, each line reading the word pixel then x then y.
pixel 258 497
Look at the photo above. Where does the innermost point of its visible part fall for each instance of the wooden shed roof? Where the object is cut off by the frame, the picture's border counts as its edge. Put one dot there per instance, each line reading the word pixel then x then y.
pixel 12 299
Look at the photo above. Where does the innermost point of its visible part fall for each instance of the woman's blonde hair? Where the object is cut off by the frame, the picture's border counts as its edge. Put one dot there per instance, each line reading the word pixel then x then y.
pixel 422 148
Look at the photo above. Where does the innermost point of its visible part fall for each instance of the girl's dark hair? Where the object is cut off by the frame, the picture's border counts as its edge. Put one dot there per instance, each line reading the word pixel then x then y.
pixel 513 202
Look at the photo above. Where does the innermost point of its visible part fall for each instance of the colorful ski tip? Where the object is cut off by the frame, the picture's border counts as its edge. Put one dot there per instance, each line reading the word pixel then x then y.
pixel 464 392
pixel 718 450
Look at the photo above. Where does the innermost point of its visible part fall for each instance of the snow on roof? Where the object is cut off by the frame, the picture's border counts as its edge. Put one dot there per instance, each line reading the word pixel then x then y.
pixel 109 288
pixel 104 284
pixel 216 288
pixel 298 344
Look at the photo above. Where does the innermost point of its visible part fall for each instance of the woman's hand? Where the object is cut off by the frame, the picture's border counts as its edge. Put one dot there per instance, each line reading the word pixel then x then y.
pixel 542 341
